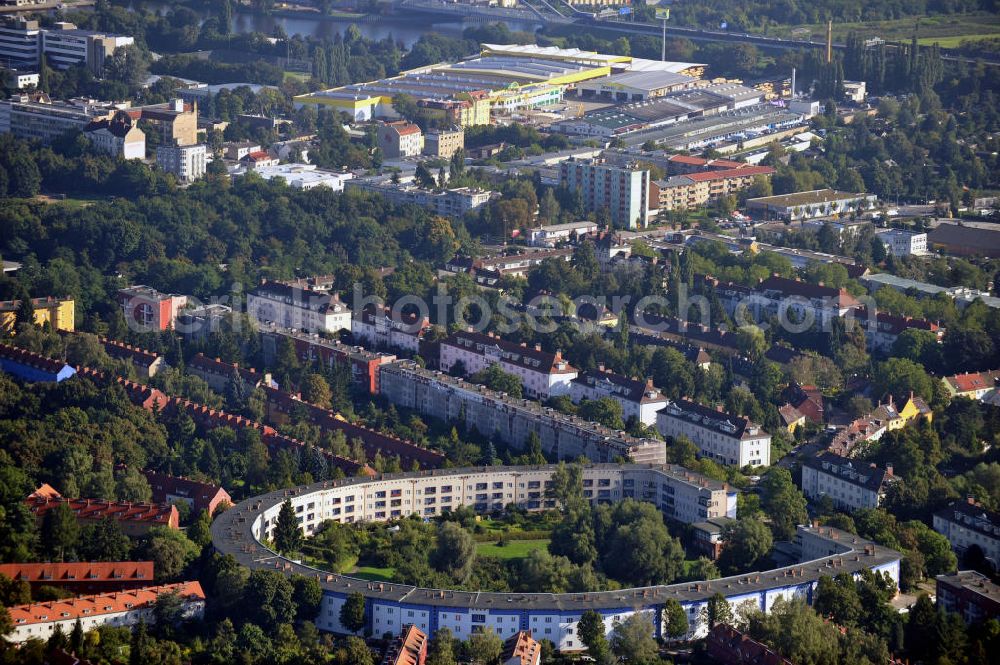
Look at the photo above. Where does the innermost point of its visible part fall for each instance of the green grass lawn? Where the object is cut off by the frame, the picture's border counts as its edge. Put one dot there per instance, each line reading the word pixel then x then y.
pixel 373 573
pixel 297 76
pixel 514 549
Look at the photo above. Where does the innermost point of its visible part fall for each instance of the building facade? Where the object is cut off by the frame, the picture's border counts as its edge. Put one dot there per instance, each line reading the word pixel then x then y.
pixel 57 313
pixel 35 116
pixel 508 419
pixel 388 607
pixel 808 205
pixel 382 328
pixel 363 364
pixel 400 139
pixel 967 524
pixel 147 310
pixel 23 43
pixel 187 162
pixel 29 366
pixel 969 594
pixel 851 484
pixel 542 374
pixel 299 306
pixel 135 519
pixel 624 191
pixel 122 609
pixel 200 496
pixel 900 242
pixel 684 192
pixel 722 437
pixel 447 203
pixel 640 400
pixel 444 143
pixel 119 137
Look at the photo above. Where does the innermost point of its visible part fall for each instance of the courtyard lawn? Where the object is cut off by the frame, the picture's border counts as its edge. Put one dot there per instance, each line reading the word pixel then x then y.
pixel 514 549
pixel 373 573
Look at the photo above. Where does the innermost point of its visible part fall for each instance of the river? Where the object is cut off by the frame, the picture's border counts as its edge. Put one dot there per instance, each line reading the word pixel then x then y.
pixel 406 31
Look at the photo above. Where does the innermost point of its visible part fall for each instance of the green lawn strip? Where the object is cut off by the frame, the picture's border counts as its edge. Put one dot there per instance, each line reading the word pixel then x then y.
pixel 514 549
pixel 373 573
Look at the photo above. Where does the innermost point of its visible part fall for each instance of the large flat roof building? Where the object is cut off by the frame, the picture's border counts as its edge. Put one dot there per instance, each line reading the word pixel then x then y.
pixel 807 205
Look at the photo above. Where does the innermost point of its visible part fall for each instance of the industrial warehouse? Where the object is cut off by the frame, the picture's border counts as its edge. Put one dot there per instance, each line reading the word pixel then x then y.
pixel 504 78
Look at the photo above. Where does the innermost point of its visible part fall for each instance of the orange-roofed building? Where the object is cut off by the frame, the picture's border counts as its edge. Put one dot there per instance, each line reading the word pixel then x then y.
pixel 521 649
pixel 84 576
pixel 135 519
pixel 125 608
pixel 200 496
pixel 400 139
pixel 409 648
pixel 46 491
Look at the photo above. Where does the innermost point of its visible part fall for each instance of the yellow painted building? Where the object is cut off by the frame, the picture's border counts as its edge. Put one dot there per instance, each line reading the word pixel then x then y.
pixel 59 313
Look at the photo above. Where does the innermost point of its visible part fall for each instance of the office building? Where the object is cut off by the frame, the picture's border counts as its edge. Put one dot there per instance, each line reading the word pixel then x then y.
pixel 850 484
pixel 542 374
pixel 720 436
pixel 122 609
pixel 35 116
pixel 624 192
pixel 400 139
pixel 187 162
pixel 298 305
pixel 550 235
pixel 23 43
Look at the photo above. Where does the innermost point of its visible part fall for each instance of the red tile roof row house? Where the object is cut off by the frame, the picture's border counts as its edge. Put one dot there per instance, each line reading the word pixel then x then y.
pixel 521 649
pixel 135 519
pixel 408 648
pixel 84 576
pixel 362 363
pixel 217 373
pixel 728 646
pixel 280 404
pixel 30 366
pixel 125 608
pixel 206 417
pixel 147 363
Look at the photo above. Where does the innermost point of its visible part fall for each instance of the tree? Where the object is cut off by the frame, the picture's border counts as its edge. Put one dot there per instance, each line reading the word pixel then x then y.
pixel 441 650
pixel 718 610
pixel 268 599
pixel 105 541
pixel 747 542
pixel 76 637
pixel 352 612
pixel 900 376
pixel 838 599
pixel 287 534
pixel 455 551
pixel 358 652
pixel 606 411
pixel 60 531
pixel 484 647
pixel 424 177
pixel 675 621
pixel 316 390
pixel 632 641
pixel 169 611
pixel 170 550
pixel 307 595
pixel 591 631
pixel 783 503
pixel 495 378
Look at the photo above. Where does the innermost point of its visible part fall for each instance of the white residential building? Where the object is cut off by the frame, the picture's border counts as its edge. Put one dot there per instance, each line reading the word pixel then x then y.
pixel 851 484
pixel 639 400
pixel 119 609
pixel 722 437
pixel 298 305
pixel 119 137
pixel 447 203
pixel 377 328
pixel 400 139
pixel 542 374
pixel 900 242
pixel 548 236
pixel 967 524
pixel 187 162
